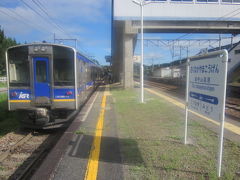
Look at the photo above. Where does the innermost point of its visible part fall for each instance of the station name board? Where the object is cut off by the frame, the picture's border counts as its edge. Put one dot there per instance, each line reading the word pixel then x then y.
pixel 206 84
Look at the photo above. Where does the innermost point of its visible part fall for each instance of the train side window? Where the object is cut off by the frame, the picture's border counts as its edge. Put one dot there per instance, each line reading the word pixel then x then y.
pixel 41 71
pixel 63 66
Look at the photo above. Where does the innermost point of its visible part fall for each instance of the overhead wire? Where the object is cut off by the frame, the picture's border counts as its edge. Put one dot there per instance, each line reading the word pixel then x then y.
pixel 11 16
pixel 44 18
pixel 20 18
pixel 218 19
pixel 223 18
pixel 43 9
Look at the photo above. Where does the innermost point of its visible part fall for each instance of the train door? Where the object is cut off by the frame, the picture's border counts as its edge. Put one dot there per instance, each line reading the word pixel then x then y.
pixel 41 77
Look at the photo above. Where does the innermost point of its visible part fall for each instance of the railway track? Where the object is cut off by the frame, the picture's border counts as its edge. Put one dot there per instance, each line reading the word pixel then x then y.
pixel 20 158
pixel 30 166
pixel 232 103
pixel 22 152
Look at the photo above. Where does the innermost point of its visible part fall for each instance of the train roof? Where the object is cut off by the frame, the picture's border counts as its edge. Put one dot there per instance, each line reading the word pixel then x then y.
pixel 40 43
pixel 60 45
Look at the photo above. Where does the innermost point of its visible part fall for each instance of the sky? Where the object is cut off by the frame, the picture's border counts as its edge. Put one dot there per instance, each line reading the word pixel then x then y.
pixel 87 21
pixel 37 20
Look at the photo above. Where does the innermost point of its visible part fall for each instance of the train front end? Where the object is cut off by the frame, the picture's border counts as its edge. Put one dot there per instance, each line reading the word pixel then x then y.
pixel 41 83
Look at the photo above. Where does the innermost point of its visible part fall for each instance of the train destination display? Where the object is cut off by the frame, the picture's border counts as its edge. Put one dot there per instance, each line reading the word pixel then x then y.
pixel 206 91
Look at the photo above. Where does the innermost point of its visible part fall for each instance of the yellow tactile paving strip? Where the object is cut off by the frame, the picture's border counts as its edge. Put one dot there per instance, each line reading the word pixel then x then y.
pixel 93 161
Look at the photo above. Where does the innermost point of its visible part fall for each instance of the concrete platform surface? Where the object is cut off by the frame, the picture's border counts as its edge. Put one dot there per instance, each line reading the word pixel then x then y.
pixel 149 139
pixel 74 163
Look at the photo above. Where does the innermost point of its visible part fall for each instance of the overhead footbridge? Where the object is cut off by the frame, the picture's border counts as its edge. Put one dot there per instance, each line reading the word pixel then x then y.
pixel 166 16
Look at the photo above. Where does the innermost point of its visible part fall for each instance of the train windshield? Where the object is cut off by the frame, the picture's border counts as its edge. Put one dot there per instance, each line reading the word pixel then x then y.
pixel 19 74
pixel 63 66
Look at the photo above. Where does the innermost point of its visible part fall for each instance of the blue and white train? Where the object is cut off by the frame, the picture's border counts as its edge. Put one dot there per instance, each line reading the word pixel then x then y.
pixel 48 82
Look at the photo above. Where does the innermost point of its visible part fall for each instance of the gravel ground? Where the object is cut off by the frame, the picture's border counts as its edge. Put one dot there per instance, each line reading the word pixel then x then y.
pixel 9 140
pixel 21 155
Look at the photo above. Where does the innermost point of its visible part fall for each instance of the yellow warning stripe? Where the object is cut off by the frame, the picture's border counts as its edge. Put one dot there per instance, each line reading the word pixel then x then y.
pixel 19 101
pixel 228 126
pixel 28 101
pixel 92 167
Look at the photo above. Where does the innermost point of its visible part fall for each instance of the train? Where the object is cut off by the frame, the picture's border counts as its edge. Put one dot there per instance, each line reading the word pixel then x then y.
pixel 49 82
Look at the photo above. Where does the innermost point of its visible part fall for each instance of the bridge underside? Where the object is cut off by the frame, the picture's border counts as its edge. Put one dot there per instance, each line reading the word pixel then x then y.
pixel 124 38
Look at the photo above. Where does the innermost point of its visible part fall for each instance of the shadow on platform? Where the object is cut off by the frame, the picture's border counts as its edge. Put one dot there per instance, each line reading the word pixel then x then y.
pixel 110 151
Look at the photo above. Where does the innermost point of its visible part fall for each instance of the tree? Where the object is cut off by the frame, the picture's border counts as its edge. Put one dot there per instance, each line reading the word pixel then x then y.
pixel 5 42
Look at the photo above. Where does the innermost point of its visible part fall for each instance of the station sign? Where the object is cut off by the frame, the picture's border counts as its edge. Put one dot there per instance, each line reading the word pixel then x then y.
pixel 206 84
pixel 206 91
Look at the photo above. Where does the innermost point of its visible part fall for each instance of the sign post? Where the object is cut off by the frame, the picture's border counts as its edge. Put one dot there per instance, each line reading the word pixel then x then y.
pixel 186 106
pixel 206 90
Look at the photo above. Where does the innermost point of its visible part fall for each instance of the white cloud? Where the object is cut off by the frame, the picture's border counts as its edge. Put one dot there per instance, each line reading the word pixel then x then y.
pixel 20 20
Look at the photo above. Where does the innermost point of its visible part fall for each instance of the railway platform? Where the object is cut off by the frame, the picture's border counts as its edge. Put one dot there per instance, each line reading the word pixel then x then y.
pixel 89 148
pixel 116 137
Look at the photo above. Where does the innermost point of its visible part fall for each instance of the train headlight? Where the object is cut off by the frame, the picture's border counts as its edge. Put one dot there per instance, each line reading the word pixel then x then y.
pixel 43 48
pixel 36 48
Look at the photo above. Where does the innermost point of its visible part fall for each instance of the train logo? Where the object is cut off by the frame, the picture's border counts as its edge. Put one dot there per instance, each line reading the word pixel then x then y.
pixel 23 95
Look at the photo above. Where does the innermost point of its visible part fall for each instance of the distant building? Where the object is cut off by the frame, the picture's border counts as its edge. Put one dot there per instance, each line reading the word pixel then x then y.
pixel 163 72
pixel 137 59
pixel 233 54
pixel 177 68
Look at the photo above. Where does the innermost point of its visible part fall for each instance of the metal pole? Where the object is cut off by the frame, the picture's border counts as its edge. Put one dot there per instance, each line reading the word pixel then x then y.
pixel 7 75
pixel 186 106
pixel 142 70
pixel 222 119
pixel 220 42
pixel 141 4
pixel 220 147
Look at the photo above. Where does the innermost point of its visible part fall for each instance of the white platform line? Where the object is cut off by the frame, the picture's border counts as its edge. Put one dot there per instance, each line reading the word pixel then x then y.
pixel 77 145
pixel 89 108
pixel 71 146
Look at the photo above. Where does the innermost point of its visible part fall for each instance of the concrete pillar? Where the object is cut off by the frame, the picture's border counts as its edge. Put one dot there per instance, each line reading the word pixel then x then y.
pixel 128 50
pixel 128 61
pixel 122 52
pixel 117 51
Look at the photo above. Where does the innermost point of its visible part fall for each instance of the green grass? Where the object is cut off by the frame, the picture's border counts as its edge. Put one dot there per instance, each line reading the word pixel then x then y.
pixel 8 120
pixel 1 168
pixel 85 131
pixel 82 130
pixel 155 130
pixel 3 85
